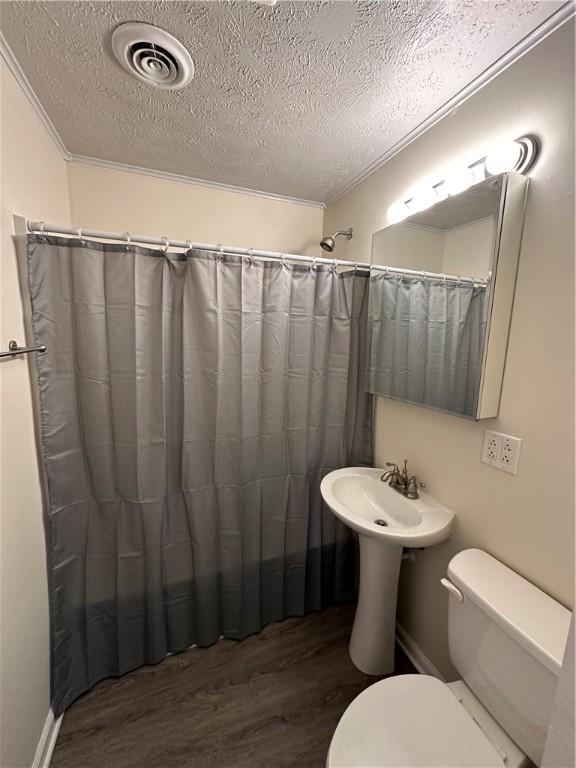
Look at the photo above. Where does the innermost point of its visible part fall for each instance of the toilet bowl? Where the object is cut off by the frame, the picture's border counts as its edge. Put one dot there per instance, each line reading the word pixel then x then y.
pixel 506 639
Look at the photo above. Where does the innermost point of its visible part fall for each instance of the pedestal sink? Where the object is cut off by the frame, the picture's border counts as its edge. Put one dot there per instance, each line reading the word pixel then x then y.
pixel 386 521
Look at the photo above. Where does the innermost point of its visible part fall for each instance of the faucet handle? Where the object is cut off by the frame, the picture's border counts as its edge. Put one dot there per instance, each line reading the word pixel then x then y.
pixel 412 487
pixel 394 466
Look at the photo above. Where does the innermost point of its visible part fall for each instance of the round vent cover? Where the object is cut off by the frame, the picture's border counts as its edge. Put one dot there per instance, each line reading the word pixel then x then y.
pixel 152 55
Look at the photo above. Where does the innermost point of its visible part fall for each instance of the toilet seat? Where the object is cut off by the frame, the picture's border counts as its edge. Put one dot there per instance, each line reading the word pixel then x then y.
pixel 409 721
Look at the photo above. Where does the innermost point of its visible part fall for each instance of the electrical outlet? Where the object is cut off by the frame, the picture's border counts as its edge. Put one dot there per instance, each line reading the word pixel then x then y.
pixel 509 454
pixel 501 451
pixel 491 448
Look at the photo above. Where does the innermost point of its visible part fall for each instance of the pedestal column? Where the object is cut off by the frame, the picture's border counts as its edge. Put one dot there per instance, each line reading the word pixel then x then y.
pixel 372 640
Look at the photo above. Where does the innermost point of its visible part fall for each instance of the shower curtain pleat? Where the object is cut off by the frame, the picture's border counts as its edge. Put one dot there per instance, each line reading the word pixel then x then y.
pixel 190 405
pixel 426 337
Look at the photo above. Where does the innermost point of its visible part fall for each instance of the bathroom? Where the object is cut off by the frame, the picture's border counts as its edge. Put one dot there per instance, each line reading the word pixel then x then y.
pixel 220 221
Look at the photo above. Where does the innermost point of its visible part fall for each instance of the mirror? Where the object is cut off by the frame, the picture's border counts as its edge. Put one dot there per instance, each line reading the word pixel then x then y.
pixel 441 294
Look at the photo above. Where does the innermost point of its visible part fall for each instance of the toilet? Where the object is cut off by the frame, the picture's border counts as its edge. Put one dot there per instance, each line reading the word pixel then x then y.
pixel 506 640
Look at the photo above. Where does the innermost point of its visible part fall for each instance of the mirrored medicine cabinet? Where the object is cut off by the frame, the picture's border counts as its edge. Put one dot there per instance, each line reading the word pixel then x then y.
pixel 441 295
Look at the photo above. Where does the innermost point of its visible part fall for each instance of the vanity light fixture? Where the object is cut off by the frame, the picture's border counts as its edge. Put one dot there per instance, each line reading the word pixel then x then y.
pixel 397 212
pixel 459 180
pixel 518 155
pixel 422 198
pixel 510 155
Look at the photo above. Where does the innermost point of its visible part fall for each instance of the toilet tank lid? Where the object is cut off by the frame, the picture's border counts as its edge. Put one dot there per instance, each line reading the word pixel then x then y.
pixel 531 617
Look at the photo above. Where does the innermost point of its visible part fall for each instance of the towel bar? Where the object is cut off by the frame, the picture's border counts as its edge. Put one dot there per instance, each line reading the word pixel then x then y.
pixel 14 349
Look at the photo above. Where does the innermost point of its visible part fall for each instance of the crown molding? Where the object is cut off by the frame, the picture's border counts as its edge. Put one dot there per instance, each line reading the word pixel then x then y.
pixel 18 73
pixel 167 176
pixel 15 68
pixel 550 25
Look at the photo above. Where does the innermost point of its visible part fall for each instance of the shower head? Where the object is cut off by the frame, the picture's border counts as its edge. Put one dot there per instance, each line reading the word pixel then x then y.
pixel 329 243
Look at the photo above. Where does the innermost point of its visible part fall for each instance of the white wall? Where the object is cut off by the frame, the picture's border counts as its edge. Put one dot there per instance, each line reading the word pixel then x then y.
pixel 33 183
pixel 468 249
pixel 527 521
pixel 119 201
pixel 465 250
pixel 409 247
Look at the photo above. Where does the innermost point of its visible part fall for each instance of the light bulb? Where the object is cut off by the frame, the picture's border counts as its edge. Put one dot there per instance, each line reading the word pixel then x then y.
pixel 422 198
pixel 441 191
pixel 397 212
pixel 459 180
pixel 503 157
pixel 479 172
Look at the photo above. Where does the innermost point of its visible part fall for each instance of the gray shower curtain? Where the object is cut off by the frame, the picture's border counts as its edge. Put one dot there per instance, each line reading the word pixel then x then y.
pixel 426 340
pixel 189 406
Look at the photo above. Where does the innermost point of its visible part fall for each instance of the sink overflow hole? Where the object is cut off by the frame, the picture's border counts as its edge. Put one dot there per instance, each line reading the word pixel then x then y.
pixel 379 521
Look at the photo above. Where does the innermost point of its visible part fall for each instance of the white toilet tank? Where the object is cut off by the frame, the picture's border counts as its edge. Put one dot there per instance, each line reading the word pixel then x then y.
pixel 507 640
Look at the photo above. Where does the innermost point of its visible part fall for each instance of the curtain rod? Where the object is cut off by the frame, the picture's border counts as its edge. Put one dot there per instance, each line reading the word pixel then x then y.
pixel 40 227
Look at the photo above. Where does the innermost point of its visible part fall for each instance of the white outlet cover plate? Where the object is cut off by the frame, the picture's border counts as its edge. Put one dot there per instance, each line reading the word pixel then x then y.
pixel 501 451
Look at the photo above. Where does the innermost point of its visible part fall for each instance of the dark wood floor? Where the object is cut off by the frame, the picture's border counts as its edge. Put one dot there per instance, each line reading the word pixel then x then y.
pixel 270 701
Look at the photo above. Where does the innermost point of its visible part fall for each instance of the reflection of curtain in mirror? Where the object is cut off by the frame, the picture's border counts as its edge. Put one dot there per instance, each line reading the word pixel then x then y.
pixel 427 337
pixel 190 406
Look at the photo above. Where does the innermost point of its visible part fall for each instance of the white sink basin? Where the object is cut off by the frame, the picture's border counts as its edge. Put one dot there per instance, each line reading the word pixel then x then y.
pixel 386 522
pixel 359 498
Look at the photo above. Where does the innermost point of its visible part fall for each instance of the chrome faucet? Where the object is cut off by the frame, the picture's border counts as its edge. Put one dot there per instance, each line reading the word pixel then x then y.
pixel 394 477
pixel 401 481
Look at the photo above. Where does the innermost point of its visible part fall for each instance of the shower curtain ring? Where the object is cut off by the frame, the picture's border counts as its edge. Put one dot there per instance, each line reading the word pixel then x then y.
pixel 127 237
pixel 335 265
pixel 313 265
pixel 42 226
pixel 78 231
pixel 166 244
pixel 189 244
pixel 283 259
pixel 250 255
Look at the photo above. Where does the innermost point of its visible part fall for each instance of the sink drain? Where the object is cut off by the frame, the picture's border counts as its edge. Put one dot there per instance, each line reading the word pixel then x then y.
pixel 379 521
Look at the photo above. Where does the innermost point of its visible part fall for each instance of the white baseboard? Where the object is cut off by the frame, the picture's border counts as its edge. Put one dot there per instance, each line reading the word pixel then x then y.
pixel 416 654
pixel 47 741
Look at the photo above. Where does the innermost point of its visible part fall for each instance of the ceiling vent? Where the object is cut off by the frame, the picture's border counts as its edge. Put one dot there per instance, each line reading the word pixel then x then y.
pixel 152 55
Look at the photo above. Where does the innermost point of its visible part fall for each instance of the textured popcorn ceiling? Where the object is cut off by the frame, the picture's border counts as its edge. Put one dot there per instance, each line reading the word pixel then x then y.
pixel 295 99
